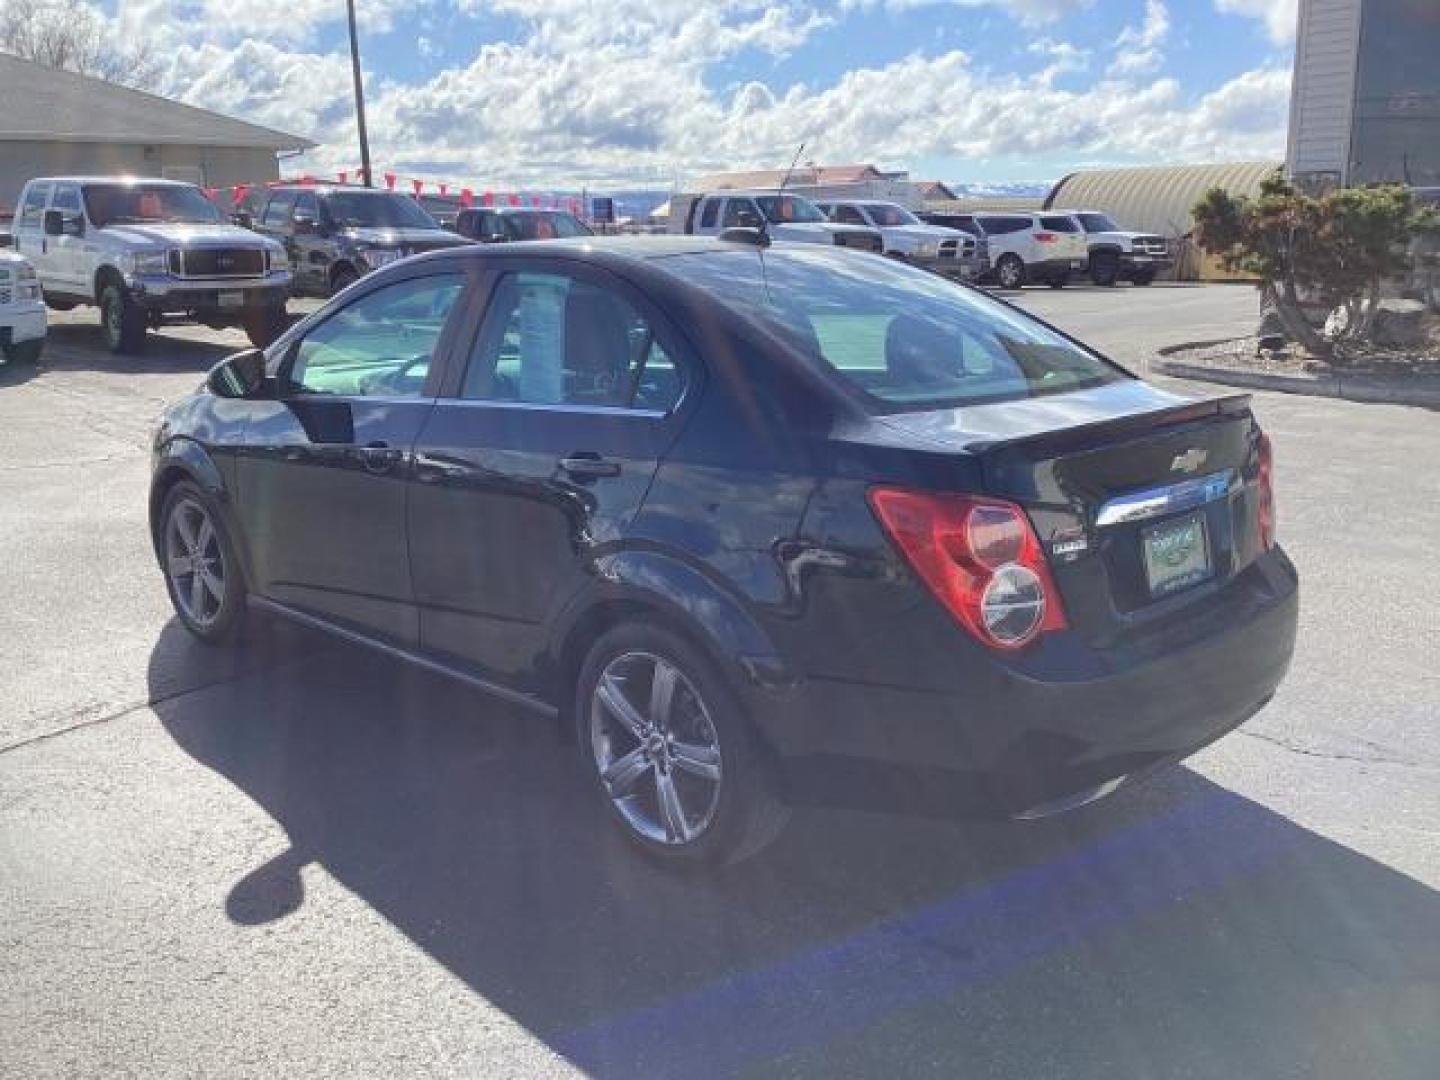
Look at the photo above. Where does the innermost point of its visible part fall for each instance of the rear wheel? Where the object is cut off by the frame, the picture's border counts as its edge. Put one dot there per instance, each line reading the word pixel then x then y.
pixel 1105 268
pixel 202 574
pixel 121 320
pixel 56 304
pixel 342 279
pixel 1010 271
pixel 24 352
pixel 670 753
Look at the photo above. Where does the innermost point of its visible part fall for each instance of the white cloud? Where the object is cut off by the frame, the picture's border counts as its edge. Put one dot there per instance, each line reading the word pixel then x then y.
pixel 1030 12
pixel 1137 49
pixel 1064 56
pixel 1279 16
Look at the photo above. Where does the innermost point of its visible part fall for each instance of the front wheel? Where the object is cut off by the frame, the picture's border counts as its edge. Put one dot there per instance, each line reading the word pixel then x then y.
pixel 1010 272
pixel 121 320
pixel 202 573
pixel 24 352
pixel 1143 277
pixel 263 325
pixel 1105 268
pixel 670 753
pixel 342 279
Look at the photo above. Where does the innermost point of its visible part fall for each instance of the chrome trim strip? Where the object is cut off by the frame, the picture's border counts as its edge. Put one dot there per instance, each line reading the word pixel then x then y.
pixel 1154 502
pixel 315 622
pixel 532 406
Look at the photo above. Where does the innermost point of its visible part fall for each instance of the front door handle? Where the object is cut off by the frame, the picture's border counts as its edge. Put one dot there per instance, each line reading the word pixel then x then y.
pixel 589 466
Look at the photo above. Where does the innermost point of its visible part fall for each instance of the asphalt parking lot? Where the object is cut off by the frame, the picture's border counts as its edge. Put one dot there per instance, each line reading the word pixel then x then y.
pixel 296 859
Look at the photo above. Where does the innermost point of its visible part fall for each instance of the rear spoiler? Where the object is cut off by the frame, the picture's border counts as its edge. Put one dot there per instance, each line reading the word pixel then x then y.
pixel 1097 432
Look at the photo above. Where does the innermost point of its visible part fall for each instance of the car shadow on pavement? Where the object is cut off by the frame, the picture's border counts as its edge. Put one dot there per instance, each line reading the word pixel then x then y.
pixel 1178 929
pixel 74 346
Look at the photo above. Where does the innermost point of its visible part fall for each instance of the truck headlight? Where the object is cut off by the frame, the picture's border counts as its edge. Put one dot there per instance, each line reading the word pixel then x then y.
pixel 927 251
pixel 148 262
pixel 378 257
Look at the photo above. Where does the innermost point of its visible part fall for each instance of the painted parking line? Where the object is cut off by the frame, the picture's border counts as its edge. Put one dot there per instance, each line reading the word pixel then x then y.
pixel 974 937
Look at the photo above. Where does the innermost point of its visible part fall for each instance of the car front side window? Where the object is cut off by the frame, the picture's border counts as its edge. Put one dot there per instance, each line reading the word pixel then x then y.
pixel 553 339
pixel 380 345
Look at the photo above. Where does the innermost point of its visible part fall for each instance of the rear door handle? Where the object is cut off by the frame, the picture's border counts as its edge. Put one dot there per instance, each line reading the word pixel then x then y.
pixel 589 466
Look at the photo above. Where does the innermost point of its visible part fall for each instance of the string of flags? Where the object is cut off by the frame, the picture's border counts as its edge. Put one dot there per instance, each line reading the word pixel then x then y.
pixel 465 196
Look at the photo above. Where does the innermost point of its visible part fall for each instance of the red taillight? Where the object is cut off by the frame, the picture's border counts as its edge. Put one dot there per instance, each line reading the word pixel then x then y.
pixel 980 558
pixel 1046 237
pixel 1266 516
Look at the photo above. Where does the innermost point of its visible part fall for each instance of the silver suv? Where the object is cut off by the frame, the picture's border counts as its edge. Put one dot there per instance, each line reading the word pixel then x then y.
pixel 148 251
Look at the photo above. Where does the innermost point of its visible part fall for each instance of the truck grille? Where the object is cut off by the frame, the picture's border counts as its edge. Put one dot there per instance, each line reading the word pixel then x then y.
pixel 6 294
pixel 1149 245
pixel 218 263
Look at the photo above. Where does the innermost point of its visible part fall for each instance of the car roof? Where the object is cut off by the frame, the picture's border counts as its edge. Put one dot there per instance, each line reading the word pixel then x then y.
pixel 158 181
pixel 859 202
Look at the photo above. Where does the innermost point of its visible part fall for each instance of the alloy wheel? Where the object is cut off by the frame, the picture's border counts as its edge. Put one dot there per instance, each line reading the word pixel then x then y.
pixel 656 748
pixel 195 563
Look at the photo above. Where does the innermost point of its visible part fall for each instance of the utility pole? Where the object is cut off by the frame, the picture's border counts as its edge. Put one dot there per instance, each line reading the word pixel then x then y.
pixel 359 96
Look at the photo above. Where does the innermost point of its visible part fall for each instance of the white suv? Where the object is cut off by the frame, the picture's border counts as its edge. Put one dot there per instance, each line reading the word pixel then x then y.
pixel 22 312
pixel 147 251
pixel 1028 248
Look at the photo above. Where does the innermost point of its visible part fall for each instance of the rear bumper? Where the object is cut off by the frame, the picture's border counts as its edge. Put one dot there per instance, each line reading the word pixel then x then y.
pixel 1022 743
pixel 1058 267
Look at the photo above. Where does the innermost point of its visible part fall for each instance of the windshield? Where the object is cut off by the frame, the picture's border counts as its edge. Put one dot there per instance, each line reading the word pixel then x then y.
pixel 908 339
pixel 376 210
pixel 108 204
pixel 1098 223
pixel 782 209
pixel 888 215
pixel 555 225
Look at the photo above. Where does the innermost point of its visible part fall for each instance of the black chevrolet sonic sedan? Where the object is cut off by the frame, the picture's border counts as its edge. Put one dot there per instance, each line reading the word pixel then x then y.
pixel 737 514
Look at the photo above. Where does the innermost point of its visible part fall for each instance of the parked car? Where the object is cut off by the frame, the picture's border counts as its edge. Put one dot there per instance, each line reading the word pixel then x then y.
pixel 22 310
pixel 947 251
pixel 1117 253
pixel 443 208
pixel 333 235
pixel 1027 248
pixel 736 513
pixel 149 251
pixel 502 225
pixel 784 216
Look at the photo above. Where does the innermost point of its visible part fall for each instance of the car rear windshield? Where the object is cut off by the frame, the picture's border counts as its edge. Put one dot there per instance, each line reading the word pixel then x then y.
pixel 906 338
pixel 376 210
pixel 544 226
pixel 1060 224
pixel 114 204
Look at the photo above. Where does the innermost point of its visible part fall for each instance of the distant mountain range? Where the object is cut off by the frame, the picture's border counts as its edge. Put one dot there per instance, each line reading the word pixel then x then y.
pixel 992 191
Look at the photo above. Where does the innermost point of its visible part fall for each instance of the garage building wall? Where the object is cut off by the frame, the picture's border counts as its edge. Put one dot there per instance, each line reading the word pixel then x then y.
pixel 213 166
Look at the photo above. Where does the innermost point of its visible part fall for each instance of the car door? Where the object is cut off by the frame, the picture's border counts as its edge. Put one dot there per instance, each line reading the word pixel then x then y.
pixel 309 243
pixel 539 461
pixel 28 234
pixel 323 469
pixel 274 222
pixel 67 252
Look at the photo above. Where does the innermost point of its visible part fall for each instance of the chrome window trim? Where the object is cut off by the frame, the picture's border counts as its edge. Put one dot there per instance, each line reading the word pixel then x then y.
pixel 1170 498
pixel 561 407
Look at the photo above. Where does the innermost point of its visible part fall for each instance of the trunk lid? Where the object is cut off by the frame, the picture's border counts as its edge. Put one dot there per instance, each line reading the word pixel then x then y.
pixel 1144 502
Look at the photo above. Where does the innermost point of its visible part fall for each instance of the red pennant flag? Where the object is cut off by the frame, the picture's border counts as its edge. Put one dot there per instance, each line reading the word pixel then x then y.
pixel 418 185
pixel 488 199
pixel 467 197
pixel 211 192
pixel 343 175
pixel 514 200
pixel 390 180
pixel 238 193
pixel 535 200
pixel 307 181
pixel 444 189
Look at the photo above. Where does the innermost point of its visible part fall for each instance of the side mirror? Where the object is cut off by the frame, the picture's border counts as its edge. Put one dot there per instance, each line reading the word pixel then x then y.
pixel 238 376
pixel 305 225
pixel 242 219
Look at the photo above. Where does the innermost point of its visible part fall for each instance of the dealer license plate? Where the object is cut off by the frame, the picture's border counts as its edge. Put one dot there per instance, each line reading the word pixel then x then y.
pixel 1177 554
pixel 231 299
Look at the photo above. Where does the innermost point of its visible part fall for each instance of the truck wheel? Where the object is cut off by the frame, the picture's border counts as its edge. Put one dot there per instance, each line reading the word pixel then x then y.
pixel 1010 271
pixel 342 279
pixel 56 304
pixel 24 352
pixel 121 320
pixel 1143 277
pixel 264 324
pixel 1105 268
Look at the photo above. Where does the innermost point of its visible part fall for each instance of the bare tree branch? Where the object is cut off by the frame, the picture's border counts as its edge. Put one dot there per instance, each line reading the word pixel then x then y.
pixel 71 34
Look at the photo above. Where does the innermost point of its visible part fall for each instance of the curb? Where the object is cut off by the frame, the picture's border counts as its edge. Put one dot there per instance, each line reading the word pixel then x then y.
pixel 1361 388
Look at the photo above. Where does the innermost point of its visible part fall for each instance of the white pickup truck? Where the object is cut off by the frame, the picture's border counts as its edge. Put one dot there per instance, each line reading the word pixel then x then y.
pixel 22 312
pixel 149 251
pixel 785 217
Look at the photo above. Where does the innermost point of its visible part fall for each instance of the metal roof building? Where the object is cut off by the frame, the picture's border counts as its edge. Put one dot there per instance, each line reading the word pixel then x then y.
pixel 57 122
pixel 1155 199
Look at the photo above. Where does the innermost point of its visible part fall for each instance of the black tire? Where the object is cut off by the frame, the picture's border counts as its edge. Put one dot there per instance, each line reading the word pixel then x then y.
pixel 743 816
pixel 342 279
pixel 121 320
pixel 1010 271
pixel 263 325
pixel 229 613
pixel 25 352
pixel 56 304
pixel 1143 277
pixel 1105 268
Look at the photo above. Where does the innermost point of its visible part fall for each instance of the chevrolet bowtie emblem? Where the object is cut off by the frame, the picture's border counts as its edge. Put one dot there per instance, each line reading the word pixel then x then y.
pixel 1189 461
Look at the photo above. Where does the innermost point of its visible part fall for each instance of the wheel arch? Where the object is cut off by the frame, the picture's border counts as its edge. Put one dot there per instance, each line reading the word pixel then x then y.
pixel 340 266
pixel 184 459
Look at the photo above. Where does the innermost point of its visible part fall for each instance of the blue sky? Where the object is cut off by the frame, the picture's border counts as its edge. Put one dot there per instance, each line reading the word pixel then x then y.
pixel 637 92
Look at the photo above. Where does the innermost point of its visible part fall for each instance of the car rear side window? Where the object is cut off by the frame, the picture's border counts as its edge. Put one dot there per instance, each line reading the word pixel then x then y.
pixel 553 339
pixel 907 339
pixel 381 345
pixel 848 215
pixel 1001 226
pixel 1060 223
pixel 33 209
pixel 67 197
